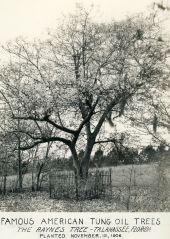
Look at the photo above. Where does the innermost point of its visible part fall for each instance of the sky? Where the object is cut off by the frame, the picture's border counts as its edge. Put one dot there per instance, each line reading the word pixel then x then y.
pixel 30 18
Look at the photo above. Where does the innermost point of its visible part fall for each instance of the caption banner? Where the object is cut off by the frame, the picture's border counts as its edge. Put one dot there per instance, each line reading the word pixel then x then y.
pixel 85 225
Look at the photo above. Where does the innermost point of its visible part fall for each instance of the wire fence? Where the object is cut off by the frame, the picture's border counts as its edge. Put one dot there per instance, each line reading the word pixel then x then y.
pixel 64 185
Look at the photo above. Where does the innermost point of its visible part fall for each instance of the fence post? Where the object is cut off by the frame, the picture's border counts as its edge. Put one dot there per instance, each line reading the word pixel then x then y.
pixel 50 185
pixel 110 174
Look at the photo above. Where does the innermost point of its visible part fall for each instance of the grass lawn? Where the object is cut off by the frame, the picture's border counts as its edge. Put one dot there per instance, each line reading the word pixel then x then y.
pixel 40 202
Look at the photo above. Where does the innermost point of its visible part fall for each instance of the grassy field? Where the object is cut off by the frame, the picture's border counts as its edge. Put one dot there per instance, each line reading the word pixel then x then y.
pixel 134 188
pixel 140 175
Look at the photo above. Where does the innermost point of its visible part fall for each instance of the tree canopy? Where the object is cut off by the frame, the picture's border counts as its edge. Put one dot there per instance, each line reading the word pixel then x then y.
pixel 84 74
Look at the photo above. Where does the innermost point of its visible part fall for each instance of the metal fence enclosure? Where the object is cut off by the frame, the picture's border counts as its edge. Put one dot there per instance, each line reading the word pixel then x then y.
pixel 64 185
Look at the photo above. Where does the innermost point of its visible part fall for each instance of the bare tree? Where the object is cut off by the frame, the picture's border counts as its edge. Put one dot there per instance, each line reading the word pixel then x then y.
pixel 83 75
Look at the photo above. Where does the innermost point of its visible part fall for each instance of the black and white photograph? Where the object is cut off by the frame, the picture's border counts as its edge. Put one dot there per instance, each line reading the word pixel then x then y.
pixel 84 106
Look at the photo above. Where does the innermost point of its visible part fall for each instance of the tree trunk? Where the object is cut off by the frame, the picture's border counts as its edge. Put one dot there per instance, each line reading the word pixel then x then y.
pixel 19 159
pixel 5 174
pixel 38 176
pixel 33 181
pixel 33 170
pixel 84 165
pixel 81 169
pixel 19 166
pixel 4 186
pixel 33 184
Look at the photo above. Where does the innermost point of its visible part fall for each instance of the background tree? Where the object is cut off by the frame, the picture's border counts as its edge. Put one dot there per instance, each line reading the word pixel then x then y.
pixel 148 154
pixel 99 158
pixel 7 156
pixel 41 164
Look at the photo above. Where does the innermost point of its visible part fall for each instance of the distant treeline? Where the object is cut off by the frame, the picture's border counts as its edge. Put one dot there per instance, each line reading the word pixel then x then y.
pixel 115 157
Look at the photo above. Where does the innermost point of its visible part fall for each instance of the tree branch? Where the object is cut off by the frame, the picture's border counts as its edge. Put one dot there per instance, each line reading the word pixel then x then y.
pixel 46 140
pixel 103 117
pixel 86 120
pixel 46 119
pixel 105 141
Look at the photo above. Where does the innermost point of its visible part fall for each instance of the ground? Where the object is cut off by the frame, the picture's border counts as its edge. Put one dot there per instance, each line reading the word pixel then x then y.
pixel 134 188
